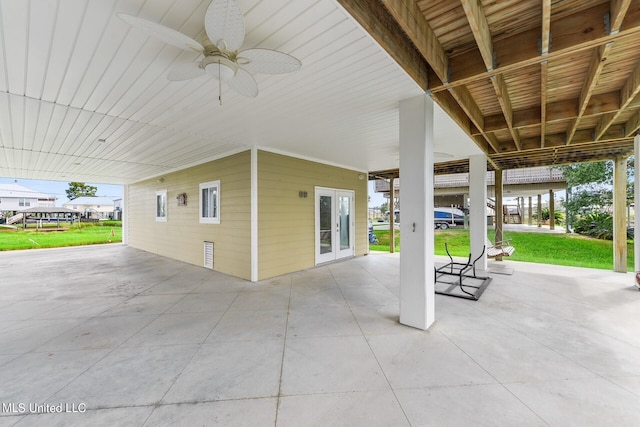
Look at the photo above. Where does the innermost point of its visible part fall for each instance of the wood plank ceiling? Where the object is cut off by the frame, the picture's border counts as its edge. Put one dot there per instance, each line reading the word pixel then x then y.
pixel 533 82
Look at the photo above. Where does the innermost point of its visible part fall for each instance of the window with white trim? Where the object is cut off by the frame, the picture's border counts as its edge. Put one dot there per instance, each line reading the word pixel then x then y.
pixel 161 205
pixel 210 202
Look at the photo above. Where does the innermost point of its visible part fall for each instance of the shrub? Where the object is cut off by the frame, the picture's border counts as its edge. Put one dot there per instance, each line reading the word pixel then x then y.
pixel 595 224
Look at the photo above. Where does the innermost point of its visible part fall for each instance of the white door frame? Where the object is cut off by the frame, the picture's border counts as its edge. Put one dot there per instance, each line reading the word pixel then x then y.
pixel 334 252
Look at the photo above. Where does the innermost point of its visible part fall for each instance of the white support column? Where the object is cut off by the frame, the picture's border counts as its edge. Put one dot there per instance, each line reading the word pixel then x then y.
pixel 254 214
pixel 417 297
pixel 636 219
pixel 478 209
pixel 125 215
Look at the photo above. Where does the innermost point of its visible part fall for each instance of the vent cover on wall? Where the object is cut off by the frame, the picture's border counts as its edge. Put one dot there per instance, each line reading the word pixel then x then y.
pixel 208 255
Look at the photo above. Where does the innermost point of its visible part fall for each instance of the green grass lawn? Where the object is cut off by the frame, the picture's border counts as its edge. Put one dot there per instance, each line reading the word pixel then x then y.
pixel 31 239
pixel 544 248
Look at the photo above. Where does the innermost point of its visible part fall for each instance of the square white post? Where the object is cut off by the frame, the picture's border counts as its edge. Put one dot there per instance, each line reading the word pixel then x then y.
pixel 636 209
pixel 417 297
pixel 477 209
pixel 125 214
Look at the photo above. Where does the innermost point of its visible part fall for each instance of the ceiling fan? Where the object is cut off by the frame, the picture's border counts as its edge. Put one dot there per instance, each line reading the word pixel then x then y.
pixel 221 54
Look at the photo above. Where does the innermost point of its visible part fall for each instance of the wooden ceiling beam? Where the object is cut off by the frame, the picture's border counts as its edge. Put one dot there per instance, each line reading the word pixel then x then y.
pixel 554 112
pixel 545 35
pixel 466 102
pixel 618 10
pixel 571 34
pixel 375 19
pixel 500 86
pixel 598 59
pixel 408 15
pixel 543 102
pixel 628 92
pixel 632 125
pixel 480 29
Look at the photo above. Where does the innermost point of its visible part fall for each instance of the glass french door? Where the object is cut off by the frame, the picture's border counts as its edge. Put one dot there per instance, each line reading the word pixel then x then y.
pixel 335 223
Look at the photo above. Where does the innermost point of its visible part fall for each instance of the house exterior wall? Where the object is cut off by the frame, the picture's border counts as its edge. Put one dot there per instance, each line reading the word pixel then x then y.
pixel 286 222
pixel 181 237
pixel 95 211
pixel 13 203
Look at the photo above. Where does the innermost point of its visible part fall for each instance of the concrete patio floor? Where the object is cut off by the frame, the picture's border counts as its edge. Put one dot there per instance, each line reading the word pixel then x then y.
pixel 116 336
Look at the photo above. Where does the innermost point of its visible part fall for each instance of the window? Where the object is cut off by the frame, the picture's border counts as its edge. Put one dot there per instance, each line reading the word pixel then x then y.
pixel 161 205
pixel 210 202
pixel 24 202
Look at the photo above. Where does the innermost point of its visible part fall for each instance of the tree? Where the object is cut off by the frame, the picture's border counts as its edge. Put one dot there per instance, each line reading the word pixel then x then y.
pixel 590 188
pixel 384 207
pixel 80 189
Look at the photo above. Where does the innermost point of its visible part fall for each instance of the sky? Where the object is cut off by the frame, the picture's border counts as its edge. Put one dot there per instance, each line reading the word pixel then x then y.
pixel 58 188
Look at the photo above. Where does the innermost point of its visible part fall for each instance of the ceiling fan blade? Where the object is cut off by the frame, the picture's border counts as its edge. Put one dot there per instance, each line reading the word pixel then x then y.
pixel 244 83
pixel 268 61
pixel 189 70
pixel 224 24
pixel 166 34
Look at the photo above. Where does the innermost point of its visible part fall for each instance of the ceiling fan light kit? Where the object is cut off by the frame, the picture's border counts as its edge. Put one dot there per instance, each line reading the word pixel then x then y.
pixel 221 58
pixel 219 67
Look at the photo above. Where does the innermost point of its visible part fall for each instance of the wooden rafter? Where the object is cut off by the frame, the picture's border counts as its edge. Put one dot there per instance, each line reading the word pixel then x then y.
pixel 632 125
pixel 598 59
pixel 500 86
pixel 628 92
pixel 584 52
pixel 466 102
pixel 545 34
pixel 570 35
pixel 543 102
pixel 480 29
pixel 408 15
pixel 618 10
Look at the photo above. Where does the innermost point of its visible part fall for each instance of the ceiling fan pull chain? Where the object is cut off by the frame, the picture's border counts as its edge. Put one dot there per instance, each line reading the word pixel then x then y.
pixel 219 83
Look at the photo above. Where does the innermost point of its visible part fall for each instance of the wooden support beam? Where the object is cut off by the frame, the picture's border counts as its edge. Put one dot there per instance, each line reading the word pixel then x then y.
pixel 480 29
pixel 499 209
pixel 466 102
pixel 571 34
pixel 628 92
pixel 620 214
pixel 539 210
pixel 543 101
pixel 377 21
pixel 632 125
pixel 618 10
pixel 555 112
pixel 552 210
pixel 598 59
pixel 408 15
pixel 500 86
pixel 545 34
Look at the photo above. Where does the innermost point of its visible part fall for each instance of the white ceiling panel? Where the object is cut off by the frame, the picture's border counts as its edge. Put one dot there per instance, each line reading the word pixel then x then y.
pixel 73 73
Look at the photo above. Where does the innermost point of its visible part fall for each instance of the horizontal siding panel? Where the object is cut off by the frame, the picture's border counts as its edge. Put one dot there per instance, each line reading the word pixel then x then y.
pixel 286 222
pixel 182 236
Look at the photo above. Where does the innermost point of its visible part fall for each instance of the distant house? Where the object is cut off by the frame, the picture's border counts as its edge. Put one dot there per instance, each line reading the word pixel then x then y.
pixel 14 198
pixel 92 207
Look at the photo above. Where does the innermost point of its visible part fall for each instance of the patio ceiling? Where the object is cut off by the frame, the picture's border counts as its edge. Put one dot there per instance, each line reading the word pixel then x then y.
pixel 84 96
pixel 533 82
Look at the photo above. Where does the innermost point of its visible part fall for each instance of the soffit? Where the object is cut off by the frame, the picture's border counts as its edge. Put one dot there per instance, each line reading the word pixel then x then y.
pixel 84 96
